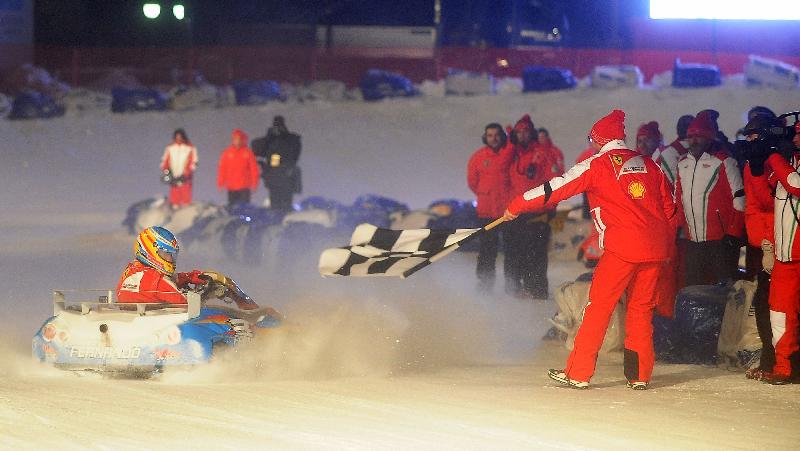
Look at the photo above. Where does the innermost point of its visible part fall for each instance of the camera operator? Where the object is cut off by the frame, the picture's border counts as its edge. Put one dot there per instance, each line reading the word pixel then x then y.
pixel 770 145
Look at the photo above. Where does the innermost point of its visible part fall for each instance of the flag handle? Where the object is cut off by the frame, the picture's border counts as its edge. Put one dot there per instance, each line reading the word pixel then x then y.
pixel 494 223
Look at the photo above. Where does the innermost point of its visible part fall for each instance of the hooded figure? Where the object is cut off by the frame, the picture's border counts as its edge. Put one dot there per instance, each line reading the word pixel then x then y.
pixel 238 170
pixel 277 154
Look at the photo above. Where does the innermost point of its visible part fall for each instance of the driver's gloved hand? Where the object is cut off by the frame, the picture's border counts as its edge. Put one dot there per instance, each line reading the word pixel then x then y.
pixel 194 277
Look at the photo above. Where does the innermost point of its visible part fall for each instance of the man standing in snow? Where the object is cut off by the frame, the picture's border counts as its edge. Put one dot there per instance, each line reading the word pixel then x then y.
pixel 648 141
pixel 529 237
pixel 784 293
pixel 487 177
pixel 633 205
pixel 238 170
pixel 277 154
pixel 710 197
pixel 179 163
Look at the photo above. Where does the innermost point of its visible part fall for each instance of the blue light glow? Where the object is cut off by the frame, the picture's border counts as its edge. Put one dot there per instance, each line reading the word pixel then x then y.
pixel 725 9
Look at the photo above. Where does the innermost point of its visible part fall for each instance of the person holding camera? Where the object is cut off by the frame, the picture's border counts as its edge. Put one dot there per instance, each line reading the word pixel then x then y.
pixel 778 148
pixel 277 154
pixel 178 165
pixel 487 177
pixel 528 238
pixel 710 197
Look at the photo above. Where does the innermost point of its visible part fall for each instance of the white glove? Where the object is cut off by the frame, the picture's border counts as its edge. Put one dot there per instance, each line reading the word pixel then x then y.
pixel 768 257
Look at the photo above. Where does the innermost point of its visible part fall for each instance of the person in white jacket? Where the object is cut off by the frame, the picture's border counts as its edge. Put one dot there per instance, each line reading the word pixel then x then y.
pixel 178 165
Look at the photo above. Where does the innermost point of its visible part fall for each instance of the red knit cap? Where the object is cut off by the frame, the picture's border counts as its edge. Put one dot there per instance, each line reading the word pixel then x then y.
pixel 524 122
pixel 649 129
pixel 703 125
pixel 797 127
pixel 609 128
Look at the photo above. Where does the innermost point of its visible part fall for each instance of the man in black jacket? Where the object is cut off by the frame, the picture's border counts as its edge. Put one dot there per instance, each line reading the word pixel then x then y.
pixel 277 154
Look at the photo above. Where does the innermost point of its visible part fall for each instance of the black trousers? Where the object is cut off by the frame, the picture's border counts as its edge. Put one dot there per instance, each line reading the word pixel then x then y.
pixel 761 307
pixel 527 243
pixel 710 262
pixel 280 199
pixel 487 253
pixel 239 196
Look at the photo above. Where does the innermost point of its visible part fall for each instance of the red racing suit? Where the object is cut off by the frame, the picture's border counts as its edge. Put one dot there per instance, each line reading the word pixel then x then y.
pixel 181 160
pixel 488 178
pixel 238 169
pixel 784 293
pixel 141 283
pixel 710 196
pixel 632 206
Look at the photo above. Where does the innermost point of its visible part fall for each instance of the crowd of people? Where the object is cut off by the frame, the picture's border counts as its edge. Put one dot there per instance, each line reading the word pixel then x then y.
pixel 666 217
pixel 273 158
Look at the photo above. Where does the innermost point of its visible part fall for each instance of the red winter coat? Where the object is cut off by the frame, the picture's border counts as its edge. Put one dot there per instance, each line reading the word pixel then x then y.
pixel 545 163
pixel 710 196
pixel 631 197
pixel 238 169
pixel 487 177
pixel 758 207
pixel 141 283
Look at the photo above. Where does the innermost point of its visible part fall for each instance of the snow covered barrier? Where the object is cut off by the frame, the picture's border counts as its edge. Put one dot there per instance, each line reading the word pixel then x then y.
pixel 464 83
pixel 125 100
pixel 82 100
pixel 609 77
pixel 694 75
pixel 761 71
pixel 34 105
pixel 739 342
pixel 539 78
pixel 256 92
pixel 693 335
pixel 378 84
pixel 184 98
pixel 572 298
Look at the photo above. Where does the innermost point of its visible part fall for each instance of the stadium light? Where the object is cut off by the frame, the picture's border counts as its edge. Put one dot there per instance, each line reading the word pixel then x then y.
pixel 179 11
pixel 151 10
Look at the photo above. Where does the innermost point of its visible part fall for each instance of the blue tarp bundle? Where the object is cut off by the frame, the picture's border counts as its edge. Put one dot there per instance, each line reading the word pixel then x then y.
pixel 125 100
pixel 378 84
pixel 256 92
pixel 692 75
pixel 693 335
pixel 34 105
pixel 539 78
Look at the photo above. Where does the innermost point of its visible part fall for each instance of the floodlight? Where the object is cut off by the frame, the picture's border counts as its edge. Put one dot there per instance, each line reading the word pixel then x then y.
pixel 179 11
pixel 151 10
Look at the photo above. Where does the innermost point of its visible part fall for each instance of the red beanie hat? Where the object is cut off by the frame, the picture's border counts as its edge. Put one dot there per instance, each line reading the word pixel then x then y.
pixel 524 122
pixel 703 125
pixel 609 128
pixel 649 129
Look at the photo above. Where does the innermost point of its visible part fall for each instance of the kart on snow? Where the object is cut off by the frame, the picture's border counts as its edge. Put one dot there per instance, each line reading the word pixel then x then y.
pixel 145 338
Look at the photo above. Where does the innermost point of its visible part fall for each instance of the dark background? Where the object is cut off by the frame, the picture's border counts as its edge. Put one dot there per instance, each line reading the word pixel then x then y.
pixel 485 23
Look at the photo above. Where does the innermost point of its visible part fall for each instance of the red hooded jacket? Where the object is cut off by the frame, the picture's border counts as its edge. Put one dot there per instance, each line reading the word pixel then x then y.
pixel 238 168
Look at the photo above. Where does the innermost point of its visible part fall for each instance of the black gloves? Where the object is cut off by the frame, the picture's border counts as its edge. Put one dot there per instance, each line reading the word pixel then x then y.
pixel 786 149
pixel 757 163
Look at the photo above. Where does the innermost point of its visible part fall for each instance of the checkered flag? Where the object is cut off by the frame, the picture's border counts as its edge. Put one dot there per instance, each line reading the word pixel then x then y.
pixel 396 253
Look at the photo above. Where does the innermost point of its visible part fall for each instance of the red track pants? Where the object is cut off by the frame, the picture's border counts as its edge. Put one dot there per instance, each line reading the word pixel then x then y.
pixel 612 277
pixel 784 305
pixel 181 194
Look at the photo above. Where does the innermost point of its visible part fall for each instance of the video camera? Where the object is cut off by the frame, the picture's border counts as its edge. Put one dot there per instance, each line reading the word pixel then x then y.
pixel 770 134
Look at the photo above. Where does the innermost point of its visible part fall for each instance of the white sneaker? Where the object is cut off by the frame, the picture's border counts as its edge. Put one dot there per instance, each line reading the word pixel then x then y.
pixel 637 385
pixel 561 377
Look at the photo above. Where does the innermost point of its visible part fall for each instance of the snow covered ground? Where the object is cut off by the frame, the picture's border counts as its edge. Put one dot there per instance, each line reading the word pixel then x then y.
pixel 423 363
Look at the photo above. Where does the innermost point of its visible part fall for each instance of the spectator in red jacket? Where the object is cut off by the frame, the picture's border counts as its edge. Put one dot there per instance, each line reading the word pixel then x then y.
pixel 238 170
pixel 179 163
pixel 633 206
pixel 529 238
pixel 487 177
pixel 649 141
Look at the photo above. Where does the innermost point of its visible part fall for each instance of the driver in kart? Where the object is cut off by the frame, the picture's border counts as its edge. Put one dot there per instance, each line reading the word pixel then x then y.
pixel 151 276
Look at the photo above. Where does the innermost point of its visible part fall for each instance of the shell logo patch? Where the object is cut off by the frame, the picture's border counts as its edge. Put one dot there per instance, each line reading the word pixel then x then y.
pixel 636 190
pixel 617 159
